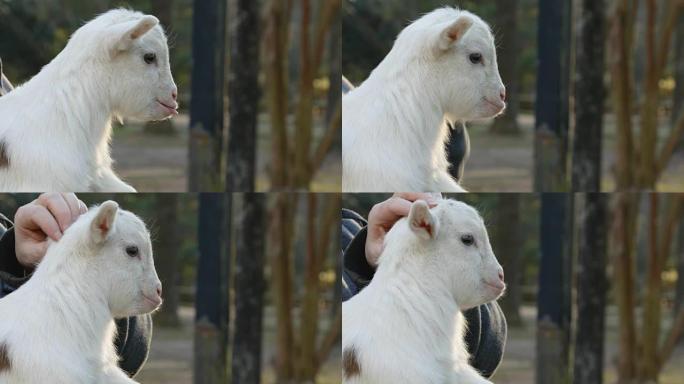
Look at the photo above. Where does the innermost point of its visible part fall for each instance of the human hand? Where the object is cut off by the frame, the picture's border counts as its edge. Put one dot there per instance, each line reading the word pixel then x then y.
pixel 384 215
pixel 45 218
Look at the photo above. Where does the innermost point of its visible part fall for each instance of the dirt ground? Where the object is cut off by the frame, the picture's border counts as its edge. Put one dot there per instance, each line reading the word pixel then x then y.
pixel 505 163
pixel 170 359
pixel 158 162
pixel 518 365
pixel 153 162
pixel 171 355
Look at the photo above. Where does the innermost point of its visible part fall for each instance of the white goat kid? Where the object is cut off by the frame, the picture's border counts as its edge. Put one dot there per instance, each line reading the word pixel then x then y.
pixel 55 129
pixel 407 326
pixel 393 133
pixel 58 327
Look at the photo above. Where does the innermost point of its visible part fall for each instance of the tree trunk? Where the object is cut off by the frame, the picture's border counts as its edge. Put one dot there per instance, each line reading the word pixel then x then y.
pixel 211 318
pixel 279 248
pixel 244 98
pixel 553 302
pixel 551 126
pixel 206 107
pixel 623 231
pixel 589 97
pixel 678 96
pixel 335 65
pixel 648 361
pixel 249 291
pixel 167 244
pixel 276 44
pixel 508 239
pixel 679 297
pixel 506 27
pixel 592 287
pixel 334 103
pixel 622 87
pixel 309 314
pixel 648 123
pixel 322 218
pixel 679 254
pixel 304 110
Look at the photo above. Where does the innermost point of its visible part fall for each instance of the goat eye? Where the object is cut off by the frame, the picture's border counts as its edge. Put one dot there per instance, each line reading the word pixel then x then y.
pixel 150 58
pixel 475 58
pixel 468 240
pixel 132 251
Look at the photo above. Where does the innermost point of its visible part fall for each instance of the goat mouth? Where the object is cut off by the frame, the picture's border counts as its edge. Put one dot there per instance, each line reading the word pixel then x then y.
pixel 155 302
pixel 173 110
pixel 499 106
pixel 500 287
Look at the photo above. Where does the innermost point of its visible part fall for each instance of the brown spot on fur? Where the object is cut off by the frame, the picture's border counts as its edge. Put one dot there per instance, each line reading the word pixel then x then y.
pixel 350 365
pixel 5 364
pixel 4 157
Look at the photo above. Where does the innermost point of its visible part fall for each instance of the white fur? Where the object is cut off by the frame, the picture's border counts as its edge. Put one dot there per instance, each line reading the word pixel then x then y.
pixel 58 327
pixel 56 127
pixel 407 326
pixel 393 131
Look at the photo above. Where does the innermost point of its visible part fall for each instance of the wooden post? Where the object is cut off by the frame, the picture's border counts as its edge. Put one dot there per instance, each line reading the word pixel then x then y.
pixel 554 300
pixel 592 286
pixel 249 290
pixel 506 23
pixel 167 244
pixel 589 97
pixel 211 319
pixel 206 106
pixel 551 126
pixel 244 98
pixel 509 237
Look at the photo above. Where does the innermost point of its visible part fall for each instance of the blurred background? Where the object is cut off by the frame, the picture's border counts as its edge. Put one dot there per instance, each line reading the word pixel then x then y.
pixel 606 116
pixel 284 129
pixel 245 301
pixel 579 287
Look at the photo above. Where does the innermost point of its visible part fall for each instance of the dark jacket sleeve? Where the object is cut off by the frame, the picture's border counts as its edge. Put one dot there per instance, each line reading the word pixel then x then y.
pixel 133 342
pixel 8 259
pixel 486 334
pixel 134 333
pixel 12 274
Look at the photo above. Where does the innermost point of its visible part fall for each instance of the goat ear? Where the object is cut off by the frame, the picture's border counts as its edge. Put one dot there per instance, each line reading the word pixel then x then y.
pixel 454 32
pixel 102 224
pixel 126 33
pixel 422 222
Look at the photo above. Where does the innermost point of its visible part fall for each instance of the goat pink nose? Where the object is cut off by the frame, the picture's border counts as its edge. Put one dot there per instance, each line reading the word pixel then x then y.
pixel 503 94
pixel 159 290
pixel 174 94
pixel 501 275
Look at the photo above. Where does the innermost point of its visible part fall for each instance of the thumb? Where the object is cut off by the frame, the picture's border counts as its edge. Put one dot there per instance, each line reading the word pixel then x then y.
pixel 30 253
